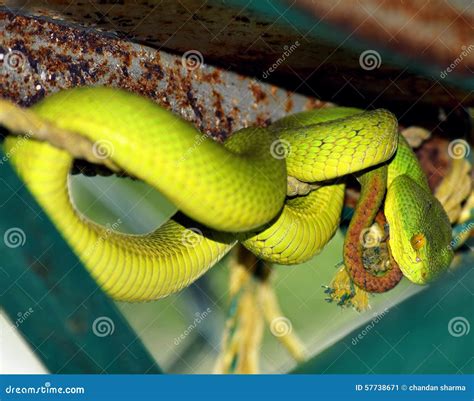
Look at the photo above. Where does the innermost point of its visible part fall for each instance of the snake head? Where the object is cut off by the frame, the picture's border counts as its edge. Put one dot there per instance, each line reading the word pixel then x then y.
pixel 420 232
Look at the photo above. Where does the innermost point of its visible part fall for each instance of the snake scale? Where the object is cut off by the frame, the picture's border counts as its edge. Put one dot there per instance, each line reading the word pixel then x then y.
pixel 234 191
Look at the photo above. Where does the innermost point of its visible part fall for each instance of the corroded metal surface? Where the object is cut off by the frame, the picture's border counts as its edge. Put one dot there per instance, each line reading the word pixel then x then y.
pixel 39 56
pixel 238 38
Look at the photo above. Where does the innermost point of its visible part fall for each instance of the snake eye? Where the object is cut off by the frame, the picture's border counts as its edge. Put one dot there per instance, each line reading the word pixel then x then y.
pixel 418 241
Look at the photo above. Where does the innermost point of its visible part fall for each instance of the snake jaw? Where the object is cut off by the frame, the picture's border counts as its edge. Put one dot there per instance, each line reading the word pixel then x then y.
pixel 429 264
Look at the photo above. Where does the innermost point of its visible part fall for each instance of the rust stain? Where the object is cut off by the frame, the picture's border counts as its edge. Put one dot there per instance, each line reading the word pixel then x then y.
pixel 443 37
pixel 314 104
pixel 224 120
pixel 52 56
pixel 258 94
pixel 213 78
pixel 289 102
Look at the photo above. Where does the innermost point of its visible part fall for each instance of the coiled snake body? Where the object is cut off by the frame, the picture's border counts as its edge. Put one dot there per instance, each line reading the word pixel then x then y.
pixel 230 192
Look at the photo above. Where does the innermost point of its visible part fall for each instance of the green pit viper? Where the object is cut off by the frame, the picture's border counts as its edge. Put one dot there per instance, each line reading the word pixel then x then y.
pixel 236 191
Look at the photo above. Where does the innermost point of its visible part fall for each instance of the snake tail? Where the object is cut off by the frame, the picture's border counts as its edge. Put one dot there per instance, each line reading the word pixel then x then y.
pixel 373 188
pixel 128 267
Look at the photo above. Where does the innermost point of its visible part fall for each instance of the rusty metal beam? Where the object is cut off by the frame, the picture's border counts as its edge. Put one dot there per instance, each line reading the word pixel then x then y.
pixel 250 36
pixel 40 56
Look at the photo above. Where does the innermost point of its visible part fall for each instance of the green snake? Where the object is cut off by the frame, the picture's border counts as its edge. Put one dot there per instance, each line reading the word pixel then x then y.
pixel 231 192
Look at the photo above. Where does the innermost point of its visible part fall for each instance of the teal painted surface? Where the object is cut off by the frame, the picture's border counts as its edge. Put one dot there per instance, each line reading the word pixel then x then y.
pixel 71 325
pixel 429 333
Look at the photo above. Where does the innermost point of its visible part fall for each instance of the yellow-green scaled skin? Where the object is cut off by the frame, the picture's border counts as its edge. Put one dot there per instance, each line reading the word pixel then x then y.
pixel 235 191
pixel 411 209
pixel 322 145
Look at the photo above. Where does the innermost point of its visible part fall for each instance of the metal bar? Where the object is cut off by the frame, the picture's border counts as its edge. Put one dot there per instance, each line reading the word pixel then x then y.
pixel 40 56
pixel 419 53
pixel 72 326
